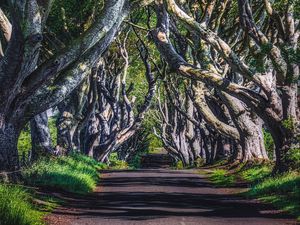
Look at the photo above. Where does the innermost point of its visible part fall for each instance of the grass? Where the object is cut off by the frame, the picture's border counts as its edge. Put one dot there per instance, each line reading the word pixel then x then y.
pixel 222 178
pixel 255 173
pixel 16 207
pixel 75 173
pixel 283 191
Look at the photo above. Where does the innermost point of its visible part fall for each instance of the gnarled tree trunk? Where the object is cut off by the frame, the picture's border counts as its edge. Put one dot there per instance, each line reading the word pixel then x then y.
pixel 40 136
pixel 9 134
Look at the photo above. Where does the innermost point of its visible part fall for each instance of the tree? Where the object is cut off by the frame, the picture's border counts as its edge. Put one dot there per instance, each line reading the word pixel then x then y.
pixel 28 87
pixel 266 103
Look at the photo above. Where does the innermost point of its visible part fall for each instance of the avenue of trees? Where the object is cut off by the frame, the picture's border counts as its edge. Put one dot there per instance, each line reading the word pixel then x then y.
pixel 209 79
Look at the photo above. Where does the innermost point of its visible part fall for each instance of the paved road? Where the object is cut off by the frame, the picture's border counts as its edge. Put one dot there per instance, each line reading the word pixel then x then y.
pixel 162 197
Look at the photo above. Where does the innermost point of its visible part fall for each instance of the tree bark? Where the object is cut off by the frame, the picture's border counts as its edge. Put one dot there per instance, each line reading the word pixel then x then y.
pixel 40 136
pixel 9 134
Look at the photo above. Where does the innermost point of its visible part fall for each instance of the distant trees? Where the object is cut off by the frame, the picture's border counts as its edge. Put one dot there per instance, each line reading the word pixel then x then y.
pixel 269 92
pixel 102 113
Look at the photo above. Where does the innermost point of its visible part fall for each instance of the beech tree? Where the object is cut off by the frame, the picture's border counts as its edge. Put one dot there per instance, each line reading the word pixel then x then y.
pixel 266 103
pixel 237 61
pixel 29 87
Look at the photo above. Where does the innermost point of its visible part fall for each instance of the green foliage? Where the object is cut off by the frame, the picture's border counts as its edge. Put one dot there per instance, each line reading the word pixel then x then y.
pixel 199 162
pixel 281 5
pixel 15 207
pixel 75 173
pixel 135 162
pixel 288 123
pixel 293 157
pixel 116 163
pixel 155 142
pixel 222 178
pixel 257 62
pixel 70 18
pixel 24 142
pixel 283 191
pixel 53 130
pixel 179 165
pixel 269 143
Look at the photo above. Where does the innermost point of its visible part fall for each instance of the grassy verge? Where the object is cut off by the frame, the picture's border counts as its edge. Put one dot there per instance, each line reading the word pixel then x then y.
pixel 283 191
pixel 16 207
pixel 222 178
pixel 75 173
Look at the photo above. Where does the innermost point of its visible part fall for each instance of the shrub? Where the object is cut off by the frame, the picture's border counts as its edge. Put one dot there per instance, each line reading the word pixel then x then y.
pixel 24 142
pixel 136 160
pixel 293 157
pixel 15 207
pixel 269 143
pixel 116 163
pixel 179 165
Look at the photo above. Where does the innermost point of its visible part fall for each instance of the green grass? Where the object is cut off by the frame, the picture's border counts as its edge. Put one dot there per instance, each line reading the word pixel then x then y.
pixel 75 173
pixel 255 173
pixel 16 208
pixel 283 191
pixel 222 178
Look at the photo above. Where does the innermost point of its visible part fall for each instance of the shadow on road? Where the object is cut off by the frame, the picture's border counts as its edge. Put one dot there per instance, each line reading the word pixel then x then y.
pixel 150 194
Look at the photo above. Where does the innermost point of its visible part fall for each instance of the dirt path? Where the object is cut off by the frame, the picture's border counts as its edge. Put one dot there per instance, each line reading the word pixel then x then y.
pixel 162 197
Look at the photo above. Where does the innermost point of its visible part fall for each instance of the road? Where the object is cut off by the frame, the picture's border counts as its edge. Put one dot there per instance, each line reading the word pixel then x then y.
pixel 162 197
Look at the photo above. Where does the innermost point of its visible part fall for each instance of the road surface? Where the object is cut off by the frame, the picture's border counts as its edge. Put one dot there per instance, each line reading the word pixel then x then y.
pixel 162 197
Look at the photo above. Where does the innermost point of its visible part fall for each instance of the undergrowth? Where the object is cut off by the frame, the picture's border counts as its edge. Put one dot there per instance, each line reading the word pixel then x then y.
pixel 222 178
pixel 283 191
pixel 115 163
pixel 16 207
pixel 75 173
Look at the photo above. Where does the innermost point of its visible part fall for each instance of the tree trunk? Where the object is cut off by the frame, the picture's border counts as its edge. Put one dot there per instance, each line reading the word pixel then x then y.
pixel 40 136
pixel 284 140
pixel 9 160
pixel 64 126
pixel 253 142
